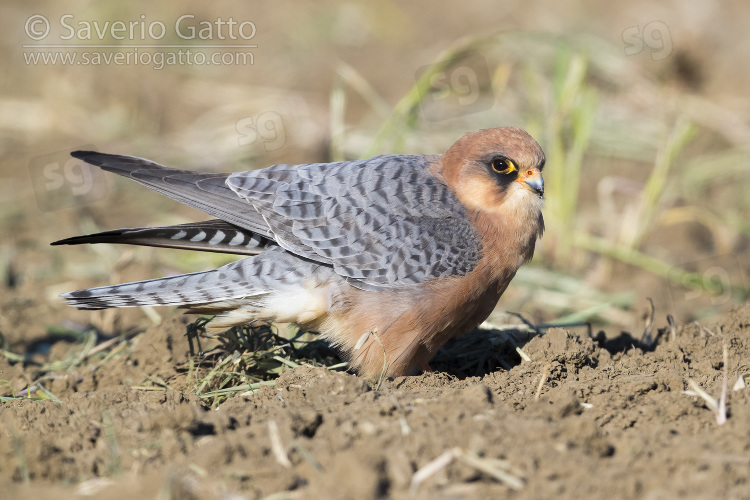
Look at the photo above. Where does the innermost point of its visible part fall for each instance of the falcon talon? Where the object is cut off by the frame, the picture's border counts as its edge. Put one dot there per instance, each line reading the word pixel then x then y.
pixel 416 248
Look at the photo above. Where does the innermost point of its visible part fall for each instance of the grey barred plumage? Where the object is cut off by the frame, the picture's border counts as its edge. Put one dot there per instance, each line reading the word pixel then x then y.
pixel 270 271
pixel 416 248
pixel 356 215
pixel 328 213
pixel 333 213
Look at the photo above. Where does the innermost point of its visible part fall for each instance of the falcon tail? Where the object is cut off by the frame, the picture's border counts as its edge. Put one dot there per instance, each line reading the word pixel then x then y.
pixel 208 236
pixel 216 287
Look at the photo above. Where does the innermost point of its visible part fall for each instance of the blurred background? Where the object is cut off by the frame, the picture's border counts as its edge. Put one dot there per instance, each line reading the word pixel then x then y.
pixel 642 110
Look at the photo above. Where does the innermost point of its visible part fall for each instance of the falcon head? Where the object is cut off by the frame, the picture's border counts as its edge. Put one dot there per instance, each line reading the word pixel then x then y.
pixel 497 171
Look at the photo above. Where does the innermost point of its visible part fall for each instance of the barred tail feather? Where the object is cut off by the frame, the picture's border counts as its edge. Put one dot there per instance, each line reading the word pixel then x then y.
pixel 207 236
pixel 195 288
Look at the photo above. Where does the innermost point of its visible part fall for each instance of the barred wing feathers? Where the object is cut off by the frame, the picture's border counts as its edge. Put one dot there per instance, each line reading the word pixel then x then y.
pixel 383 221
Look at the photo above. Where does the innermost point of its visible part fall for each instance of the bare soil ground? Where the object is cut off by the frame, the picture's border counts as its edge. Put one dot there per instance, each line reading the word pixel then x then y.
pixel 584 418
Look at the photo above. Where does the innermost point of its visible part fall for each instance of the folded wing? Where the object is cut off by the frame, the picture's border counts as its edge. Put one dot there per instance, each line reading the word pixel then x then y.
pixel 381 222
pixel 384 221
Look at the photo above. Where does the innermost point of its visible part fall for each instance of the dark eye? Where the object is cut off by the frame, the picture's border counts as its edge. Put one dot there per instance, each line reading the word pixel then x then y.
pixel 503 166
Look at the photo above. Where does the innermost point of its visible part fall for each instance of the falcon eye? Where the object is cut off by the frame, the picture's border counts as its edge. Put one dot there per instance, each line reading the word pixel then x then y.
pixel 503 166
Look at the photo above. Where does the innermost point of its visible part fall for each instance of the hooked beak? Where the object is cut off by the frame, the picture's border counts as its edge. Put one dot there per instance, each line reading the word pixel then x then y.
pixel 532 179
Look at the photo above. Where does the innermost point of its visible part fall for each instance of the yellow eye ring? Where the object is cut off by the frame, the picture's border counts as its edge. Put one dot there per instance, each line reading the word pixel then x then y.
pixel 503 166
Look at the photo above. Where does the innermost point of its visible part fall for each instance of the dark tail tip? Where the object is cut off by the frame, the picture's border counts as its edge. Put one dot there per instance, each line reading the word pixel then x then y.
pixel 87 156
pixel 66 241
